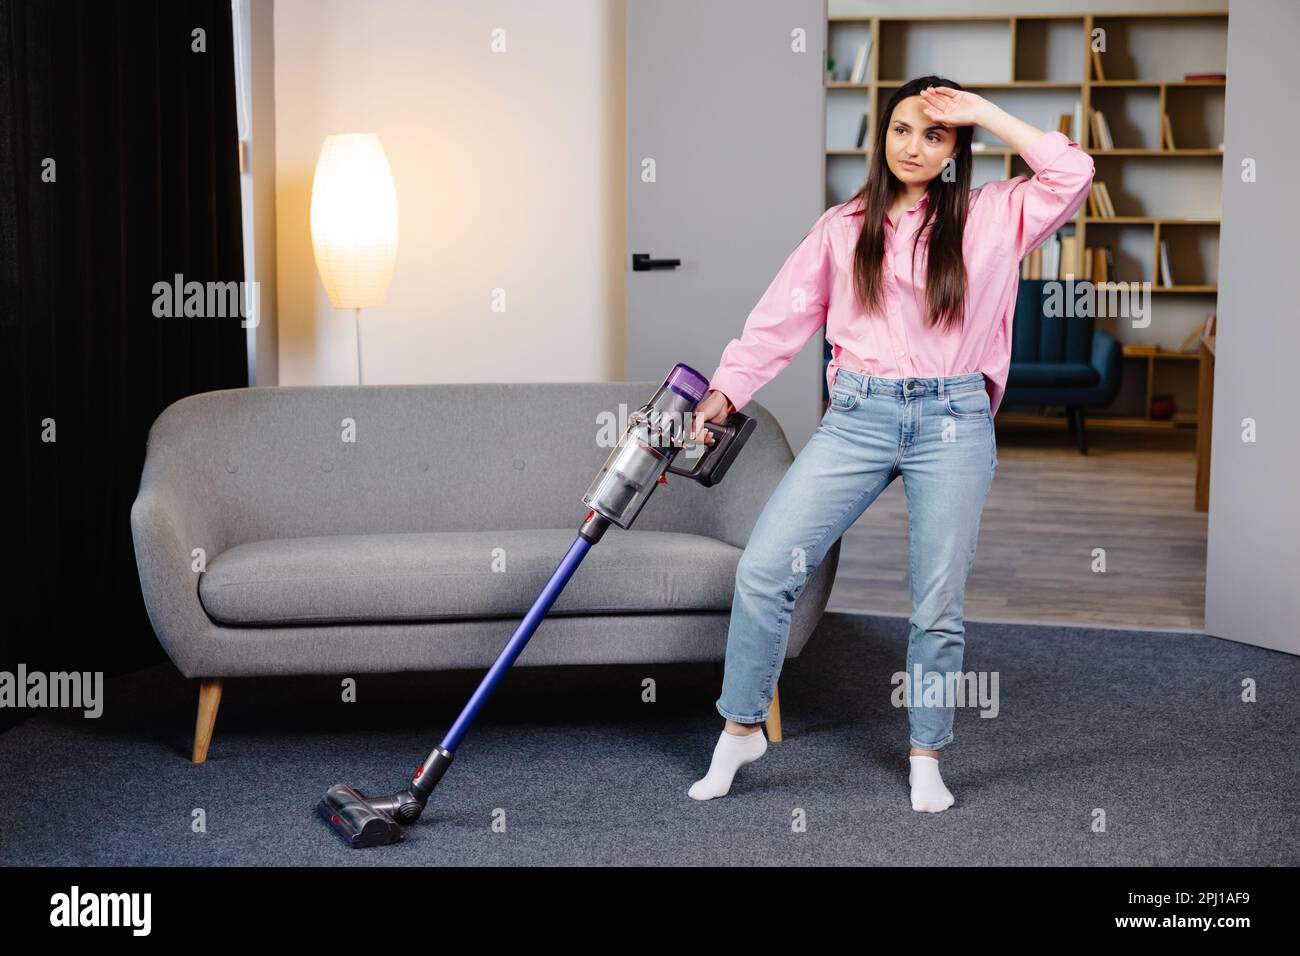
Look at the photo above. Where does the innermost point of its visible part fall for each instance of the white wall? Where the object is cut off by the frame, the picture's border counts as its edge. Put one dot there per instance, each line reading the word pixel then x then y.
pixel 255 91
pixel 509 175
pixel 1253 549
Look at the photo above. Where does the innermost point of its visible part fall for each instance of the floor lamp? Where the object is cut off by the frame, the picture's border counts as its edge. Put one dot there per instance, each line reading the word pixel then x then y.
pixel 354 223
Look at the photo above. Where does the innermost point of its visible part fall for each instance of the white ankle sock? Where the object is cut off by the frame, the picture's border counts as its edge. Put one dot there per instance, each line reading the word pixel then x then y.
pixel 929 795
pixel 731 752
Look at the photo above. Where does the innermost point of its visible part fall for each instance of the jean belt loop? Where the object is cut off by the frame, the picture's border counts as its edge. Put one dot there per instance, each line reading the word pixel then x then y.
pixel 866 386
pixel 941 388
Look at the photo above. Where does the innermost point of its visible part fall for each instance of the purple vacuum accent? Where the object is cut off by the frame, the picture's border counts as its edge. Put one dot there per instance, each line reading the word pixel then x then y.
pixel 687 382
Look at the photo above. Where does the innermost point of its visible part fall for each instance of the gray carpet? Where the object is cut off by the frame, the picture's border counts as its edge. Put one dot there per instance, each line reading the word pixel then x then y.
pixel 1148 727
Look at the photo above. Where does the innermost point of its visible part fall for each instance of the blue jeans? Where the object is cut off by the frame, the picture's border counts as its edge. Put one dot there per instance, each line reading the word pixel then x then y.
pixel 935 432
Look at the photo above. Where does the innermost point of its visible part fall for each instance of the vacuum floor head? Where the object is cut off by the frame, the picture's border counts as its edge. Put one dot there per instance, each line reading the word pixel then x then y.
pixel 357 822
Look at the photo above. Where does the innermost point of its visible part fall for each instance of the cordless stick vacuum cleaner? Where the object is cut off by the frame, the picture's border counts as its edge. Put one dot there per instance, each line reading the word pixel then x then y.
pixel 655 433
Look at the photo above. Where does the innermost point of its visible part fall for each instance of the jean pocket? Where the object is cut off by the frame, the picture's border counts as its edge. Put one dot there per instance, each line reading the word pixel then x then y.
pixel 973 403
pixel 843 398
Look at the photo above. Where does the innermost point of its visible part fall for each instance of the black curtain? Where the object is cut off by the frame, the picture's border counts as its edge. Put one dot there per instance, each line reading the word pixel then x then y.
pixel 141 128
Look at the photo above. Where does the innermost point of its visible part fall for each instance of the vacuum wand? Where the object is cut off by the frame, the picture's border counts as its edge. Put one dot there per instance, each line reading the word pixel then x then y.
pixel 641 461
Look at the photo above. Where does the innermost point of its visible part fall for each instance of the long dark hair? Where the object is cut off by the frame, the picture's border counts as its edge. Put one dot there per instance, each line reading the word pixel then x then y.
pixel 945 221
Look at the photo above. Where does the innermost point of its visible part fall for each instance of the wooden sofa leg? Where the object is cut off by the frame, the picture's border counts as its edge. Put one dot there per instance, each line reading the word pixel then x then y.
pixel 209 701
pixel 774 717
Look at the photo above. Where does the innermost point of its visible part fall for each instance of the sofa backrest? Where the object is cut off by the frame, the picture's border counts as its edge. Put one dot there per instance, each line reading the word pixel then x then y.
pixel 299 461
pixel 1037 336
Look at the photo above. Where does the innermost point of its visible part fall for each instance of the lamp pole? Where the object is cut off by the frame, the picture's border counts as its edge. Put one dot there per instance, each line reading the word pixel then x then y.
pixel 357 311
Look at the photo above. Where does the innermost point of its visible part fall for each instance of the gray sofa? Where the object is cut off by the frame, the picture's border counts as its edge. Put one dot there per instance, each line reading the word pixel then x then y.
pixel 343 530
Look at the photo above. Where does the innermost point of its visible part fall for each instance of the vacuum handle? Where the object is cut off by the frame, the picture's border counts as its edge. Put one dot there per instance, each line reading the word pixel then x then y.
pixel 728 439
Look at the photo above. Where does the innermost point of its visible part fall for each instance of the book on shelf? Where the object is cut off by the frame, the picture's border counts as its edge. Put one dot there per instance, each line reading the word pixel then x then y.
pixel 1045 259
pixel 1056 257
pixel 1097 263
pixel 1167 128
pixel 1031 266
pixel 1101 130
pixel 1194 77
pixel 1067 258
pixel 1050 261
pixel 859 73
pixel 1099 205
pixel 1205 329
pixel 1071 124
pixel 1096 66
pixel 862 131
pixel 1166 277
pixel 1105 209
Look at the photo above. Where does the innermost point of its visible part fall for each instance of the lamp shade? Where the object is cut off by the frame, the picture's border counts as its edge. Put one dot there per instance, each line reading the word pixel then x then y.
pixel 354 220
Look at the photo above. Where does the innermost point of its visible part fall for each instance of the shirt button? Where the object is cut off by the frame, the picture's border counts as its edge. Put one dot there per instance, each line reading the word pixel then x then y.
pixel 900 352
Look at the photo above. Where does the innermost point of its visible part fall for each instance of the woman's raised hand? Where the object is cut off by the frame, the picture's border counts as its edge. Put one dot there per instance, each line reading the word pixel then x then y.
pixel 951 107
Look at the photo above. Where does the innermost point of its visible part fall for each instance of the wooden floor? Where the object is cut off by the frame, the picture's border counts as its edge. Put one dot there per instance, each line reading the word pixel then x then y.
pixel 1048 509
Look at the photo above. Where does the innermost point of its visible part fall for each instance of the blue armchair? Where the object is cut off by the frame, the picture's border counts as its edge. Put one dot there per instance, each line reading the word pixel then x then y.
pixel 1060 360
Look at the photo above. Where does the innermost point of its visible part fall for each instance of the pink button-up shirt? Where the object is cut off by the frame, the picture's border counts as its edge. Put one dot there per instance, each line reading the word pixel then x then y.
pixel 1005 221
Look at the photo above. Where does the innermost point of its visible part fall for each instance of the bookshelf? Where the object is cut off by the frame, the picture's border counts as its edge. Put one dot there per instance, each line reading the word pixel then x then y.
pixel 1038 66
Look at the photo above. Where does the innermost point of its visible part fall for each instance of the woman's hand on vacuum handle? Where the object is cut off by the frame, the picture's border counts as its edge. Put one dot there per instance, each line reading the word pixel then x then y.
pixel 712 409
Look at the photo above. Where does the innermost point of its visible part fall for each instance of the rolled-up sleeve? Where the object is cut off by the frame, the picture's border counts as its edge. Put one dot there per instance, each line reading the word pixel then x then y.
pixel 790 311
pixel 1032 208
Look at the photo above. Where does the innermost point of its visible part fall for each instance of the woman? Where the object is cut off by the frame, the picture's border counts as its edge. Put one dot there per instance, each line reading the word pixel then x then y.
pixel 915 278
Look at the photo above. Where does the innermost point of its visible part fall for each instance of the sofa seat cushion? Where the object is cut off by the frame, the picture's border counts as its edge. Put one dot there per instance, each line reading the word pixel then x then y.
pixel 1052 375
pixel 456 575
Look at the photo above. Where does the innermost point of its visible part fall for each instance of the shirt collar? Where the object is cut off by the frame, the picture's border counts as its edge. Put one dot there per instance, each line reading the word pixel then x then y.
pixel 858 207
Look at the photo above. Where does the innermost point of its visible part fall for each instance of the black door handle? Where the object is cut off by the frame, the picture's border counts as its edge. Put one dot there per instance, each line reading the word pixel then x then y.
pixel 641 262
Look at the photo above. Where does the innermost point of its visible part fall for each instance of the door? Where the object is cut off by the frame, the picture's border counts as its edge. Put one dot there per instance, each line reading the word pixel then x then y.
pixel 726 170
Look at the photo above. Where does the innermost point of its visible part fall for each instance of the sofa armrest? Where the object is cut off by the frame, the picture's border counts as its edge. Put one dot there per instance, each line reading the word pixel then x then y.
pixel 167 526
pixel 735 504
pixel 1107 355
